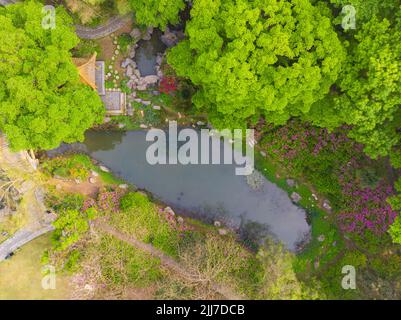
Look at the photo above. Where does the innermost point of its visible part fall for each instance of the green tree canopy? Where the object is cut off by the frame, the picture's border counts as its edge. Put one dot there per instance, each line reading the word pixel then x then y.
pixel 369 89
pixel 42 102
pixel 367 9
pixel 395 230
pixel 157 13
pixel 262 57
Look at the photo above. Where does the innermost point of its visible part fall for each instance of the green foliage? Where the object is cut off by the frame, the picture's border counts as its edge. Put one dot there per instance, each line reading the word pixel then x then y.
pixel 395 230
pixel 87 48
pixel 252 58
pixel 142 218
pixel 42 101
pixel 279 279
pixel 74 167
pixel 72 261
pixel 132 200
pixel 331 279
pixel 124 41
pixel 66 201
pixel 70 226
pixel 323 251
pixel 157 13
pixel 371 84
pixel 124 265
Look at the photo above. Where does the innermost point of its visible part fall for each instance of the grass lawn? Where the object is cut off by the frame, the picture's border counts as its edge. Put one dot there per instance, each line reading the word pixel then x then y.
pixel 21 276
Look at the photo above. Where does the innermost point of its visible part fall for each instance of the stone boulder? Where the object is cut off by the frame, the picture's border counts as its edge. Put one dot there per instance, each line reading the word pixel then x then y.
pixel 148 34
pixel 129 72
pixel 223 232
pixel 125 63
pixel 152 79
pixel 136 34
pixel 159 60
pixel 169 38
pixel 169 211
pixel 295 197
pixel 94 173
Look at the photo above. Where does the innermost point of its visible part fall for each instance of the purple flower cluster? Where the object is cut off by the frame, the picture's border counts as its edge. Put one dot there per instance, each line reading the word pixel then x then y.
pixel 109 201
pixel 360 208
pixel 89 203
pixel 366 207
pixel 290 141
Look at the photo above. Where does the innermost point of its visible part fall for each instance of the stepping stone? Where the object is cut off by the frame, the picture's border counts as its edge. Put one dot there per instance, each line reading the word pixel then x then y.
pixel 222 232
pixel 326 205
pixel 295 197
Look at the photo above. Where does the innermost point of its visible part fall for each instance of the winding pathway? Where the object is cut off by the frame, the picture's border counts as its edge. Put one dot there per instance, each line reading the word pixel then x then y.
pixel 16 165
pixel 104 30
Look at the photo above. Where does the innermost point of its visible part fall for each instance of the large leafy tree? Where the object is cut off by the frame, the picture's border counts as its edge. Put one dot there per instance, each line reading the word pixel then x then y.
pixel 157 13
pixel 42 102
pixel 366 9
pixel 369 89
pixel 252 58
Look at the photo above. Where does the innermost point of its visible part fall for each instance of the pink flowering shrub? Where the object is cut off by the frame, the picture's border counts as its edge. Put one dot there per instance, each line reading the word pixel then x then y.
pixel 333 163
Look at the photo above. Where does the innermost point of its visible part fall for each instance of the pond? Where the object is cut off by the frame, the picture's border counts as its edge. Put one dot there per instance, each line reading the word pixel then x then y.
pixel 146 53
pixel 208 192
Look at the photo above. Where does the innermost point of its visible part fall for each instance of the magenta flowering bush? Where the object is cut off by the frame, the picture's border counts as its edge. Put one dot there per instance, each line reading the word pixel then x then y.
pixel 366 208
pixel 89 203
pixel 332 162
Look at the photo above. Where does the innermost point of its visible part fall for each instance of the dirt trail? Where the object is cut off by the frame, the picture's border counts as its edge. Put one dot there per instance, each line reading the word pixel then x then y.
pixel 164 259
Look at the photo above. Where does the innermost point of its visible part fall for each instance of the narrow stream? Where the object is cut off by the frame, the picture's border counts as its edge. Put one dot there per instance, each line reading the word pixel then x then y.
pixel 211 192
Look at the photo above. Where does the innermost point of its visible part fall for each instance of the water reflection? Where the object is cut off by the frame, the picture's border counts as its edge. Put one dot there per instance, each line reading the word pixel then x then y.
pixel 210 192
